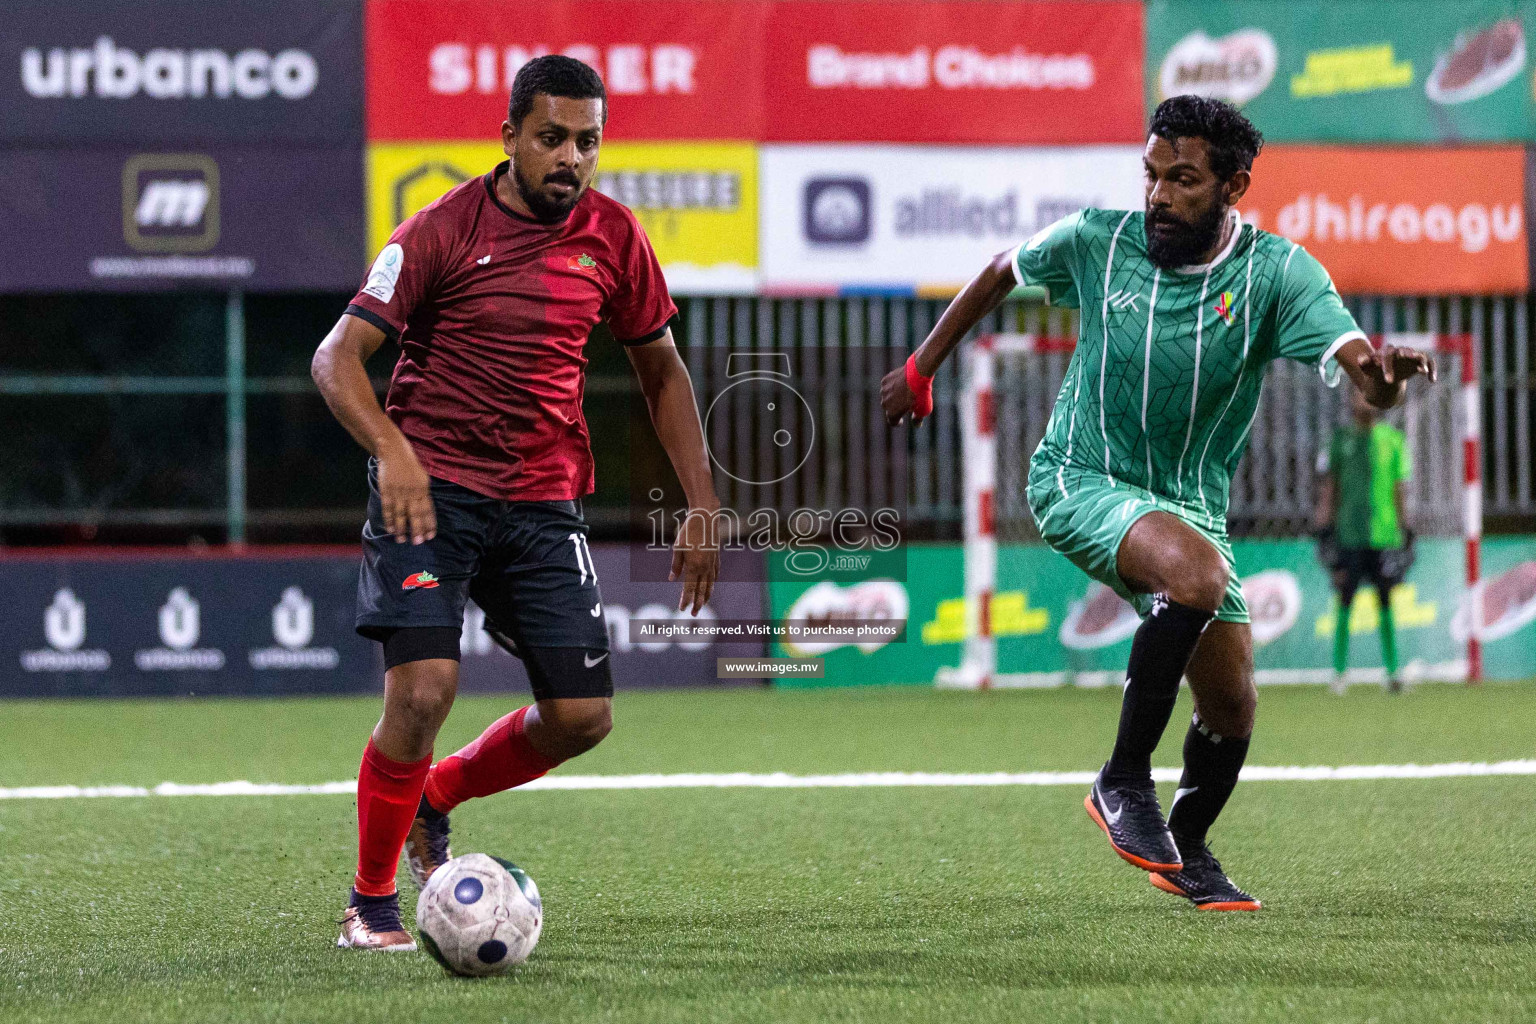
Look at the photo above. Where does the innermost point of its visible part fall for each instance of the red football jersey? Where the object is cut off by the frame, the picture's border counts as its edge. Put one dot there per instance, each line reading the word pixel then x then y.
pixel 492 311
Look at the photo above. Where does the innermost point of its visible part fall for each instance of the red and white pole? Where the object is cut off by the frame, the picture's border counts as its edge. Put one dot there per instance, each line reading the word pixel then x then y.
pixel 979 661
pixel 1472 495
pixel 978 425
pixel 1465 347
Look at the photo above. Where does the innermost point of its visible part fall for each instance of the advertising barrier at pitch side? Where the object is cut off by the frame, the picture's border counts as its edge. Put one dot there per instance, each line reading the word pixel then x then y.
pixel 157 72
pixel 1054 626
pixel 1322 71
pixel 282 623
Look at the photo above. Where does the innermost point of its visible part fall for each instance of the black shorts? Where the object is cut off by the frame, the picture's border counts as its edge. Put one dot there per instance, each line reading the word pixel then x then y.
pixel 525 563
pixel 1382 569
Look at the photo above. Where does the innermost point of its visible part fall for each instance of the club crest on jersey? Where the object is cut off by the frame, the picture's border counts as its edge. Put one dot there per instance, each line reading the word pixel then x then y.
pixel 1224 307
pixel 1123 301
pixel 584 263
pixel 419 581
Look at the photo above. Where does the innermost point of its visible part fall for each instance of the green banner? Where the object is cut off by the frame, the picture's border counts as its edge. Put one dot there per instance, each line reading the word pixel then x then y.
pixel 1054 625
pixel 1310 71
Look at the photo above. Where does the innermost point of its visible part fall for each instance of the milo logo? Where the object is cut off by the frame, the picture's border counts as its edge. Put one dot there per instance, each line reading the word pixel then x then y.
pixel 1236 67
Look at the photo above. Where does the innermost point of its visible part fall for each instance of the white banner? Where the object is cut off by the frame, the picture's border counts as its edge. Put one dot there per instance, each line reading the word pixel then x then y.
pixel 921 218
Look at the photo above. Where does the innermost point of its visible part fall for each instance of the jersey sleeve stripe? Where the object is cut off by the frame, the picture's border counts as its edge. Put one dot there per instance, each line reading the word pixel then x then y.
pixel 1332 379
pixel 1109 273
pixel 1013 264
pixel 646 339
pixel 390 330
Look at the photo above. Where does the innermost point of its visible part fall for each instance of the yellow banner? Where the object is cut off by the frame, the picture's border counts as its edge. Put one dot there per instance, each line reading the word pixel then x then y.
pixel 697 200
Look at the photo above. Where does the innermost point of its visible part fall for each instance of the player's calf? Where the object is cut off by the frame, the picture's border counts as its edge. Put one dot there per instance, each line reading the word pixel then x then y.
pixel 515 750
pixel 563 729
pixel 420 681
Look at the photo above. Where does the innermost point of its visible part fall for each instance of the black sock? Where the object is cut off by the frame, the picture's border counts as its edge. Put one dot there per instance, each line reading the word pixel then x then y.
pixel 426 810
pixel 359 900
pixel 1211 765
pixel 1159 654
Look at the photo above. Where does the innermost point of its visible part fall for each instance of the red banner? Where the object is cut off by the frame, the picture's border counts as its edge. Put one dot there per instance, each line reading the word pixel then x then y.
pixel 980 73
pixel 989 73
pixel 1399 221
pixel 443 69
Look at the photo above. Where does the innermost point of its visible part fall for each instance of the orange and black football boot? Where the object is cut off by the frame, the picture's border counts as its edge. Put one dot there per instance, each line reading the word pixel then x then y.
pixel 1203 883
pixel 1133 820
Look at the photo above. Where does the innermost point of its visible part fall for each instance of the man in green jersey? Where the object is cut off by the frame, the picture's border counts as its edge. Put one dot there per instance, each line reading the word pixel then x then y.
pixel 1364 520
pixel 1182 307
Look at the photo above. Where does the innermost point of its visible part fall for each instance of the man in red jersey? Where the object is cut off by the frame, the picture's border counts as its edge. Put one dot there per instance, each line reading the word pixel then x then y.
pixel 480 463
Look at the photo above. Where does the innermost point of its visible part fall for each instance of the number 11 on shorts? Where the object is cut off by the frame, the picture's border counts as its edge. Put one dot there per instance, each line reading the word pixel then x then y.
pixel 584 563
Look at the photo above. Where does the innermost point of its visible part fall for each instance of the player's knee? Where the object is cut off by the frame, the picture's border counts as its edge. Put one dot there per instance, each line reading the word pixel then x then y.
pixel 1203 581
pixel 425 704
pixel 421 693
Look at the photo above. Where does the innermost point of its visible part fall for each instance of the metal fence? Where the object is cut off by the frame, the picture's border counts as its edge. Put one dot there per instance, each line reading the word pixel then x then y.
pixel 1274 488
pixel 841 347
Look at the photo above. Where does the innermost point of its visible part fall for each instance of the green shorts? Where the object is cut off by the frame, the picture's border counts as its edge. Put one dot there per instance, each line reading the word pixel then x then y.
pixel 1084 517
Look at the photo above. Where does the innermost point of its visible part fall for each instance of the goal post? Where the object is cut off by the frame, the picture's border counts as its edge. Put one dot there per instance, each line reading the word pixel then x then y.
pixel 979 452
pixel 984 451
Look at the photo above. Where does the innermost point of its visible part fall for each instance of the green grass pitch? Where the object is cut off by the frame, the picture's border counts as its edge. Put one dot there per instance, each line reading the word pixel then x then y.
pixel 1395 901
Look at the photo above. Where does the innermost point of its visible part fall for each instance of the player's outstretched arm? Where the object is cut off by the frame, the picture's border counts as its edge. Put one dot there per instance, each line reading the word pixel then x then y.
pixel 338 370
pixel 1382 375
pixel 668 391
pixel 986 292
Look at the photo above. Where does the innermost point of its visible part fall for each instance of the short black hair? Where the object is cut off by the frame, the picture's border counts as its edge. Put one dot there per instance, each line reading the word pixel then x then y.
pixel 554 75
pixel 1232 139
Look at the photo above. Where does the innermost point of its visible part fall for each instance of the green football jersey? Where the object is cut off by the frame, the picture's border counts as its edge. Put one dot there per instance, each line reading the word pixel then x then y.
pixel 1367 466
pixel 1165 381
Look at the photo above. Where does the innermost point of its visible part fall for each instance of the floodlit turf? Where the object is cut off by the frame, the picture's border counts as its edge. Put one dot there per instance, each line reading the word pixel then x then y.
pixel 1390 901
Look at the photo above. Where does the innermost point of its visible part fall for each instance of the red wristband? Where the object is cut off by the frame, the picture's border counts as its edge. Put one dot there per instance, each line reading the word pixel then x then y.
pixel 922 389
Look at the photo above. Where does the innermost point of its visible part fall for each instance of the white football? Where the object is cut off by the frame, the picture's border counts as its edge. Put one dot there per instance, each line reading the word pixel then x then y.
pixel 479 915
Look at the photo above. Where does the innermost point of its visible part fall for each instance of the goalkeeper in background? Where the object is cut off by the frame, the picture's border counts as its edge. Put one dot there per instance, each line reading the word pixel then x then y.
pixel 1362 522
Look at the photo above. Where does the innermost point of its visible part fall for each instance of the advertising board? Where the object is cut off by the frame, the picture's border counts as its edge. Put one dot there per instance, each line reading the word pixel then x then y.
pixel 696 200
pixel 912 218
pixel 1003 73
pixel 1400 221
pixel 443 69
pixel 1055 626
pixel 253 217
pixel 275 623
pixel 1324 71
pixel 162 72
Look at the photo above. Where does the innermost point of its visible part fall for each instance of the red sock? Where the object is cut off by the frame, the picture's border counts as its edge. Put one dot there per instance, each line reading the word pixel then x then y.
pixel 388 793
pixel 501 758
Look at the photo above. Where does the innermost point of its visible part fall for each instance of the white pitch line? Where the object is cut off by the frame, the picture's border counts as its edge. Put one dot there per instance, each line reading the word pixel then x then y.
pixel 783 780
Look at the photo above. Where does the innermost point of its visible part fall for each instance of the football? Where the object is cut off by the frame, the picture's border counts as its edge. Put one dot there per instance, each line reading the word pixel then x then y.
pixel 479 915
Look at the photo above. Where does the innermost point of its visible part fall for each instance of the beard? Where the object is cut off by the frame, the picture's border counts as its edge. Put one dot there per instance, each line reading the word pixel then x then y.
pixel 543 207
pixel 1181 242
